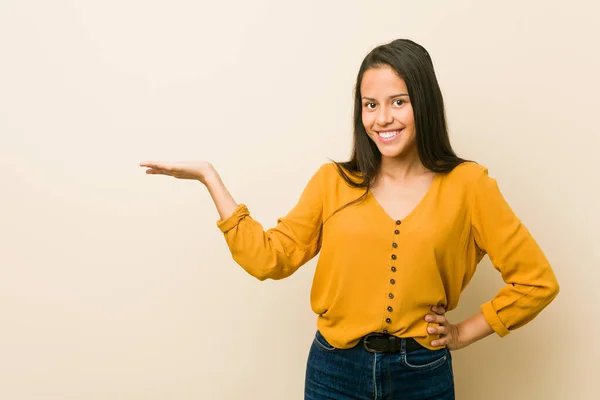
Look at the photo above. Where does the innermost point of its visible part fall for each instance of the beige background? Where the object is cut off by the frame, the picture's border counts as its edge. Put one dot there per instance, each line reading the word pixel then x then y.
pixel 118 285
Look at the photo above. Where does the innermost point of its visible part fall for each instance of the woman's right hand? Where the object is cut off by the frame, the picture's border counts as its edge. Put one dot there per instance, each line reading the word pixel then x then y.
pixel 197 170
pixel 202 171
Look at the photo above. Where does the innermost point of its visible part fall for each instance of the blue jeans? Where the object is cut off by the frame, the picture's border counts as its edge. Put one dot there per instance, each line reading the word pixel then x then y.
pixel 357 374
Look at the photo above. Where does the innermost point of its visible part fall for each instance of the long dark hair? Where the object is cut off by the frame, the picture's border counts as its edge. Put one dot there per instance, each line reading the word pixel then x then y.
pixel 413 64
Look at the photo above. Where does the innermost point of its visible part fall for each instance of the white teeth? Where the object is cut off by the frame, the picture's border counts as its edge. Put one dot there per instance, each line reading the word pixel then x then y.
pixel 388 135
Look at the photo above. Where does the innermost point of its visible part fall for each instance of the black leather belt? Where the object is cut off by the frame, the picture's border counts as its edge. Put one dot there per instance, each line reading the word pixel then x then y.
pixel 386 343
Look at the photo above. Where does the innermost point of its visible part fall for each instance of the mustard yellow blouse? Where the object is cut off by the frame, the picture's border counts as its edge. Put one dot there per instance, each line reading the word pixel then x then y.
pixel 375 274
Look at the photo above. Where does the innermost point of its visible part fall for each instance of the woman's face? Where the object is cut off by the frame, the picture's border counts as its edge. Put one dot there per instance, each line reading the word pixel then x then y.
pixel 387 113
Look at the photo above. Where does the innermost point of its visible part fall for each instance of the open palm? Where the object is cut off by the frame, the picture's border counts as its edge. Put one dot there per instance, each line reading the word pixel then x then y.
pixel 181 169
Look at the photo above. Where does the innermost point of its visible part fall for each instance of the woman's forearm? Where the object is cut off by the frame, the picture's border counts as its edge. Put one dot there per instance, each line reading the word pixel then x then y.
pixel 223 200
pixel 473 329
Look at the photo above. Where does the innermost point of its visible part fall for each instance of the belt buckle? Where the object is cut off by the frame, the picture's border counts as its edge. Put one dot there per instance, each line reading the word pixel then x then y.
pixel 366 342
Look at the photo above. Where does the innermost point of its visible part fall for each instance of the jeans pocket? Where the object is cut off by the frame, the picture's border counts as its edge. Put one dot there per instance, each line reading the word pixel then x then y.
pixel 425 359
pixel 322 342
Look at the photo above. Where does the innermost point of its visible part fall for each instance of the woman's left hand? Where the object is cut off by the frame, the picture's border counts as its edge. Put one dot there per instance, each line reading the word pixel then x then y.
pixel 449 332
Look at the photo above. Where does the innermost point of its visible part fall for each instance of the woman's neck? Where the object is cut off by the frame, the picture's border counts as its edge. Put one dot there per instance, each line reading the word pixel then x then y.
pixel 402 169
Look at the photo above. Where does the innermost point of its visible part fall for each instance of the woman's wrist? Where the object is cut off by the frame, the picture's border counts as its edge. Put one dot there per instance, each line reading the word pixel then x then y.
pixel 209 176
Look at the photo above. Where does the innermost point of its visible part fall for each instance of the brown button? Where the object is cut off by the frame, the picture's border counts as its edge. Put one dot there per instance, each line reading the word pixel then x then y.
pixel 393 281
pixel 393 256
pixel 391 295
pixel 388 320
pixel 393 269
pixel 385 331
pixel 398 222
pixel 394 245
pixel 396 231
pixel 390 309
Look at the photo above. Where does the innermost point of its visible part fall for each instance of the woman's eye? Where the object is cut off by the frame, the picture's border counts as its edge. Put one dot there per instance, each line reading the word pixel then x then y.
pixel 399 102
pixel 370 105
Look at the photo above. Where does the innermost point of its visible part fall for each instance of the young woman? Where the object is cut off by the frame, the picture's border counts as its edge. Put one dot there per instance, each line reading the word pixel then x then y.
pixel 400 228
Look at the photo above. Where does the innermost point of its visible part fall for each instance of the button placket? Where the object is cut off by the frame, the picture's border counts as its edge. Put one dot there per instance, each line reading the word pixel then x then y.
pixel 393 268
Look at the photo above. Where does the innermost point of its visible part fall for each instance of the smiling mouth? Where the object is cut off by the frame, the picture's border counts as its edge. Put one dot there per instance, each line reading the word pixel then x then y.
pixel 388 136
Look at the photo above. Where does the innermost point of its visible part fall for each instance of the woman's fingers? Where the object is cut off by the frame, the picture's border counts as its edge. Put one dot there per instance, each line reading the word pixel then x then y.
pixel 159 168
pixel 448 332
pixel 165 166
pixel 440 319
pixel 443 341
pixel 438 310
pixel 149 164
pixel 156 171
pixel 183 170
pixel 437 330
pixel 445 334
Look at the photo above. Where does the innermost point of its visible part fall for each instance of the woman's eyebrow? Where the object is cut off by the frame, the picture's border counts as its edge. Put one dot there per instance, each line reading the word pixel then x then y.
pixel 391 97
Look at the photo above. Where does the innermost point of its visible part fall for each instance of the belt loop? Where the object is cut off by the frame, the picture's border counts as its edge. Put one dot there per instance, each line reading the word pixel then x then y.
pixel 403 345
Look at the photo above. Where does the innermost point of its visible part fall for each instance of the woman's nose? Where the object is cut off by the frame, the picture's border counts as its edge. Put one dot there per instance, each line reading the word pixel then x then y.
pixel 384 117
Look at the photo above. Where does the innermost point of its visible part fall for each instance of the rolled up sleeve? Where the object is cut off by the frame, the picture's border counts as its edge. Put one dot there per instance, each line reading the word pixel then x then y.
pixel 530 281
